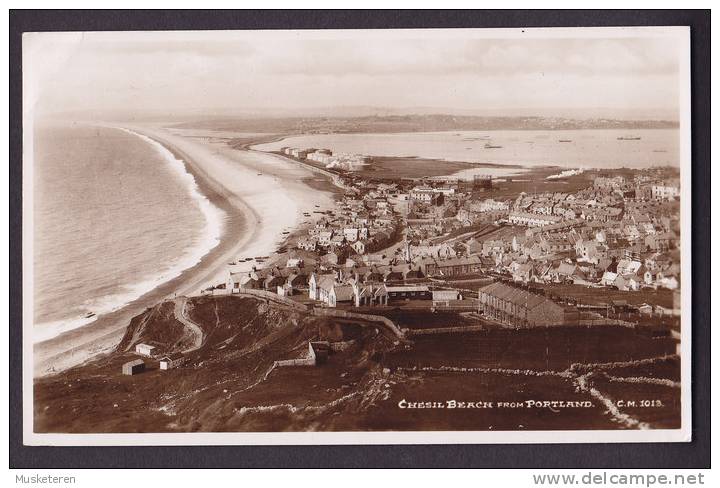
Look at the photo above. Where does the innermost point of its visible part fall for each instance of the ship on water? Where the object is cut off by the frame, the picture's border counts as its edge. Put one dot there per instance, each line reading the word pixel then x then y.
pixel 491 146
pixel 565 140
pixel 629 138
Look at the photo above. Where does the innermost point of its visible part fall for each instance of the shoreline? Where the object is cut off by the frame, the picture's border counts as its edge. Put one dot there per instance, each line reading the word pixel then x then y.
pixel 243 227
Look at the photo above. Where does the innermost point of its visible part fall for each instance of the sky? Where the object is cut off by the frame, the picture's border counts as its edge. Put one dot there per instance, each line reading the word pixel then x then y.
pixel 537 71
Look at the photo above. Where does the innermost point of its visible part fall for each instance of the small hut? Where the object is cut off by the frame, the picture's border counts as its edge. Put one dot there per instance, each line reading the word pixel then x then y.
pixel 133 367
pixel 172 361
pixel 144 349
pixel 319 351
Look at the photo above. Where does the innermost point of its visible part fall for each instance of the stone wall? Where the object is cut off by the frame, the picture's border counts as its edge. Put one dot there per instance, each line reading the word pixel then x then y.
pixel 446 330
pixel 384 321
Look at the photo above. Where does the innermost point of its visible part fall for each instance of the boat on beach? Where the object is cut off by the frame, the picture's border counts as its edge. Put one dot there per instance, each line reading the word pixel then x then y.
pixel 629 138
pixel 492 146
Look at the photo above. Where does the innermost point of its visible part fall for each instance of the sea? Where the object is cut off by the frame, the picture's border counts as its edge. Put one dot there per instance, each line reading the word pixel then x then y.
pixel 527 148
pixel 115 214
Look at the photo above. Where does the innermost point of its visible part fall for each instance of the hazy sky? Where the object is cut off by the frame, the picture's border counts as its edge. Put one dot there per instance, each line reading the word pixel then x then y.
pixel 461 70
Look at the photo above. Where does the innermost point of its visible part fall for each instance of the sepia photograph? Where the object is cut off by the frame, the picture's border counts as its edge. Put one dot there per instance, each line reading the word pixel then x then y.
pixel 347 236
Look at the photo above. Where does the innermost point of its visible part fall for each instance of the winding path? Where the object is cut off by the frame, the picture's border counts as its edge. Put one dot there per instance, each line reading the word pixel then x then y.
pixel 195 330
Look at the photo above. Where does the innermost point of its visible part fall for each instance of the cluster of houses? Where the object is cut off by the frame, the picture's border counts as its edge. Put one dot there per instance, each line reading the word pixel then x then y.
pixel 586 254
pixel 325 157
pixel 362 291
pixel 389 242
pixel 609 200
pixel 360 225
pixel 587 237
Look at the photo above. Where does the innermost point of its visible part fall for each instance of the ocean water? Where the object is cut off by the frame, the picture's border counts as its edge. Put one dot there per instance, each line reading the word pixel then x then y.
pixel 586 149
pixel 115 215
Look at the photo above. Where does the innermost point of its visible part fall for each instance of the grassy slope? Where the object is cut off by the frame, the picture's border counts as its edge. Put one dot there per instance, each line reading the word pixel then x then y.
pixel 221 388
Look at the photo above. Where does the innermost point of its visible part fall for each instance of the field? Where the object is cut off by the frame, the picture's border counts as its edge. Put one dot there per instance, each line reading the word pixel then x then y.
pixel 422 318
pixel 395 168
pixel 534 181
pixel 491 390
pixel 552 349
pixel 605 296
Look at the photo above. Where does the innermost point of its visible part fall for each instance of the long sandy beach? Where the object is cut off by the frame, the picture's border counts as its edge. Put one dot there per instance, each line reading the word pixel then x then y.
pixel 260 195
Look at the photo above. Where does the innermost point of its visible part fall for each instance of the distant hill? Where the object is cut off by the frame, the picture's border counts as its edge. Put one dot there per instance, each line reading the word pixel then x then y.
pixel 416 123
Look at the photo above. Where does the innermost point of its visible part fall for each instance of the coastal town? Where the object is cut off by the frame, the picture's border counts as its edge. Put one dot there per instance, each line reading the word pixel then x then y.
pixel 364 286
pixel 605 253
pixel 543 285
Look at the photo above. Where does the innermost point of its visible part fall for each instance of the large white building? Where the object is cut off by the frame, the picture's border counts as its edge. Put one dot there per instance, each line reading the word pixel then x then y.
pixel 665 192
pixel 491 205
pixel 426 194
pixel 346 161
pixel 532 220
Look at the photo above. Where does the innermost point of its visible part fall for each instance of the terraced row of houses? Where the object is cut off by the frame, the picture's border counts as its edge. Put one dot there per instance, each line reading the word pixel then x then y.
pixel 521 308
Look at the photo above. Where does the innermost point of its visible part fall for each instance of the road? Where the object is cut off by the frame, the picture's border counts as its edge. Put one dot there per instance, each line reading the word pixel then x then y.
pixel 195 330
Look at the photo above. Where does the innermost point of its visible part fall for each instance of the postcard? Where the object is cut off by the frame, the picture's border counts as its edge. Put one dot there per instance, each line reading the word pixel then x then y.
pixel 356 236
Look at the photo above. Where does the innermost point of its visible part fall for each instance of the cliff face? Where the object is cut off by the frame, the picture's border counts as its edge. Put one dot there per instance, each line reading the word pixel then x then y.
pixel 156 326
